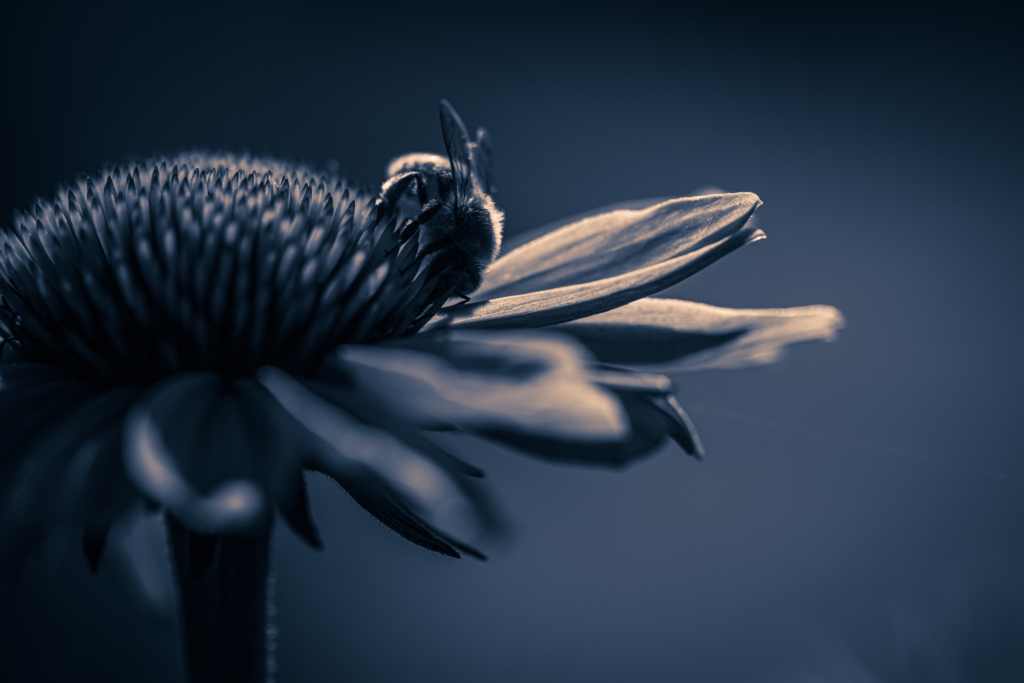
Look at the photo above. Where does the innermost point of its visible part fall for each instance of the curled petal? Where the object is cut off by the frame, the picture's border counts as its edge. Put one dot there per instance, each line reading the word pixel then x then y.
pixel 678 425
pixel 168 439
pixel 618 242
pixel 681 335
pixel 405 489
pixel 526 382
pixel 562 304
pixel 656 401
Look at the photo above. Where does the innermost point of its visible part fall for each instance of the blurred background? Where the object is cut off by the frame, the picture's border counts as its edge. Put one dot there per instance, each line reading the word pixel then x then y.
pixel 860 515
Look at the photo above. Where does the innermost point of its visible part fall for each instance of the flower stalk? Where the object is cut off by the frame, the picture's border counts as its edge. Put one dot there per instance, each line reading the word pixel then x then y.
pixel 222 586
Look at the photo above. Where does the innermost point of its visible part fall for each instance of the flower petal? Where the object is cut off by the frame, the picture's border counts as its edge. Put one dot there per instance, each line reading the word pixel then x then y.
pixel 137 561
pixel 32 497
pixel 183 448
pixel 618 242
pixel 29 401
pixel 96 490
pixel 682 335
pixel 277 442
pixel 377 412
pixel 526 382
pixel 403 488
pixel 553 306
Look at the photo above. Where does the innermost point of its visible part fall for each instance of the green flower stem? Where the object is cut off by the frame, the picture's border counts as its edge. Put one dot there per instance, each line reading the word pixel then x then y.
pixel 222 587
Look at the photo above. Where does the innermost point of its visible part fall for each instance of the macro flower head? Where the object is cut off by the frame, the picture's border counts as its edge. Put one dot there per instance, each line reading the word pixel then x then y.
pixel 196 331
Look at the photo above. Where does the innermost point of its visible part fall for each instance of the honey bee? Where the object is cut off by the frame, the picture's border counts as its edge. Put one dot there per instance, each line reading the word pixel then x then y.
pixel 460 227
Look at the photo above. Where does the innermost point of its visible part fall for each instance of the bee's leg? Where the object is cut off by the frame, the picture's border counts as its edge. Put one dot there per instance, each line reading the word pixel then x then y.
pixel 427 250
pixel 421 192
pixel 465 299
pixel 436 245
pixel 411 225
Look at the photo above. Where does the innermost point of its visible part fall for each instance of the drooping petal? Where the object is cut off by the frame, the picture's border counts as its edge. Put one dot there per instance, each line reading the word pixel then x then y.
pixel 183 448
pixel 562 304
pixel 373 410
pixel 618 242
pixel 399 485
pixel 96 490
pixel 30 399
pixel 31 497
pixel 682 335
pixel 277 442
pixel 525 382
pixel 136 558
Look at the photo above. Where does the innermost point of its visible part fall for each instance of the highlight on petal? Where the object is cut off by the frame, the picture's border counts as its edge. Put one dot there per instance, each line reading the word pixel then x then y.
pixel 649 423
pixel 617 242
pixel 510 243
pixel 562 304
pixel 405 489
pixel 671 334
pixel 527 382
pixel 167 440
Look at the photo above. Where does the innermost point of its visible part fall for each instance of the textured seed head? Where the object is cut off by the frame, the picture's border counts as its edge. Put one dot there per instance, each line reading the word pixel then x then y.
pixel 209 262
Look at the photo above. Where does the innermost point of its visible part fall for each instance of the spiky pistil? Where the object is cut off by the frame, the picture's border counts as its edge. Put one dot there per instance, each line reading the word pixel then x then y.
pixel 209 262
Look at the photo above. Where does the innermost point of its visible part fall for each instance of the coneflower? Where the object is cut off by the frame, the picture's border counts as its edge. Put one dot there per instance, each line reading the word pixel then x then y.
pixel 196 331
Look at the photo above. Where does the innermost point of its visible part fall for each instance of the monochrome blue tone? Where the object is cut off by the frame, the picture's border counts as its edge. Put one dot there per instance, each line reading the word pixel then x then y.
pixel 859 514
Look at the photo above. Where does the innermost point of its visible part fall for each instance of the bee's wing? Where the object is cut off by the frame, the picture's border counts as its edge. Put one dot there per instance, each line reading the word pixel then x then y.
pixel 456 143
pixel 482 160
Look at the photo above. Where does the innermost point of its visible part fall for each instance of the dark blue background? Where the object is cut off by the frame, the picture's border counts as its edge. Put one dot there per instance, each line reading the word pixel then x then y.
pixel 860 514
